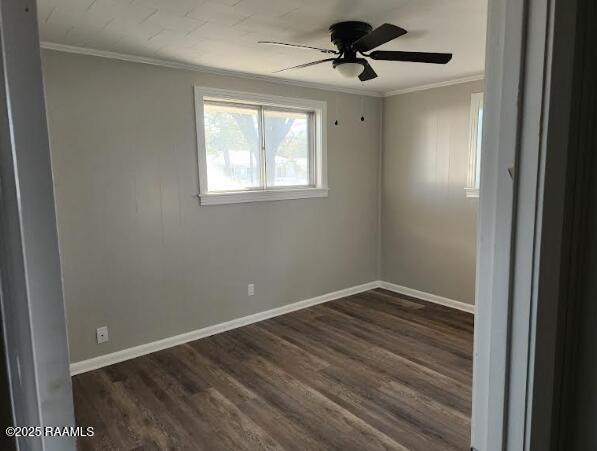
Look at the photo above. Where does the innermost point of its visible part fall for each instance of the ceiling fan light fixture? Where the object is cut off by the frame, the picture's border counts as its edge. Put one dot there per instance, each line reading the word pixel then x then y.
pixel 350 70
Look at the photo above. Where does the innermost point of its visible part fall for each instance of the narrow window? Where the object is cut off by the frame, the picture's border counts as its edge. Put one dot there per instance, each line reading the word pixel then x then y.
pixel 475 150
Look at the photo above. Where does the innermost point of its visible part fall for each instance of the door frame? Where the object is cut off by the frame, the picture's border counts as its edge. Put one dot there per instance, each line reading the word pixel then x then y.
pixel 524 227
pixel 31 302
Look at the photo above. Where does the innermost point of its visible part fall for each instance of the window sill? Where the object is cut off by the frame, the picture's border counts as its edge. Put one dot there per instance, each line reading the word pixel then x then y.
pixel 471 192
pixel 239 197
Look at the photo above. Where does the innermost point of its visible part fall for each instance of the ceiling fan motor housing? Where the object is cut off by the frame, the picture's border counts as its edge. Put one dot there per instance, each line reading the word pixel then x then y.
pixel 343 34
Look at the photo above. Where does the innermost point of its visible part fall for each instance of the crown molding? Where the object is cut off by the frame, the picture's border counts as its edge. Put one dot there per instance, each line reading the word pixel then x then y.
pixel 439 84
pixel 204 69
pixel 238 74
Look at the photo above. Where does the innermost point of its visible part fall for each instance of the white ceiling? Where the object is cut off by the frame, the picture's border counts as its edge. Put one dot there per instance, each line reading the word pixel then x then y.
pixel 223 34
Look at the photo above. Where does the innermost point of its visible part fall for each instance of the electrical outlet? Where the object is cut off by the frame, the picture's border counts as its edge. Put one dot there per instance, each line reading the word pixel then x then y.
pixel 251 289
pixel 102 334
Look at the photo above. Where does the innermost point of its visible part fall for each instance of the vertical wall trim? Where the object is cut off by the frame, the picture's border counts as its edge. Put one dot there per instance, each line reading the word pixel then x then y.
pixel 382 106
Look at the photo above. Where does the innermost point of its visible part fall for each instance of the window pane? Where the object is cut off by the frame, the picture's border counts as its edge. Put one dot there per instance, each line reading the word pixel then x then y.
pixel 232 147
pixel 287 148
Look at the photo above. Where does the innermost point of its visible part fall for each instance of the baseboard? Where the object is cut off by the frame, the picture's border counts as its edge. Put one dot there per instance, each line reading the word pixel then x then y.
pixel 459 305
pixel 137 351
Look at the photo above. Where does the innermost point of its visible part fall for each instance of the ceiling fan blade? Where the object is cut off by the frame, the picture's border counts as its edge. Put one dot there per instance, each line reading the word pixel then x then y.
pixel 368 73
pixel 300 66
pixel 415 57
pixel 298 46
pixel 382 34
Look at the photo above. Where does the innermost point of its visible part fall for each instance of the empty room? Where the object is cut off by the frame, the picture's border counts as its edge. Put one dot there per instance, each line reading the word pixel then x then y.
pixel 267 219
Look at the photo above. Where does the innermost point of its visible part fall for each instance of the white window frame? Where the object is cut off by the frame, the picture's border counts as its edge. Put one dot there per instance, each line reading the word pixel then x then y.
pixel 318 154
pixel 474 166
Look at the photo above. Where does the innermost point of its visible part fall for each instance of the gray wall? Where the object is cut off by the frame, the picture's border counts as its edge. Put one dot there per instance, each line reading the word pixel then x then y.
pixel 138 252
pixel 428 225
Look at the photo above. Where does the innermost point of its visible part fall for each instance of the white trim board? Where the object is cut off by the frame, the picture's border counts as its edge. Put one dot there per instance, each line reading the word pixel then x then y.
pixel 440 84
pixel 231 73
pixel 137 351
pixel 434 298
pixel 204 69
pixel 154 346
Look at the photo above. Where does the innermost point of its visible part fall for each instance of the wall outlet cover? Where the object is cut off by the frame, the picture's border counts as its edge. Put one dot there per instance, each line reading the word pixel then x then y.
pixel 102 334
pixel 251 289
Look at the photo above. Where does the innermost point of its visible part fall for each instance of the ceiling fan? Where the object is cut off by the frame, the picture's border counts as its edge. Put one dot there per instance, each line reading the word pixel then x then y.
pixel 353 38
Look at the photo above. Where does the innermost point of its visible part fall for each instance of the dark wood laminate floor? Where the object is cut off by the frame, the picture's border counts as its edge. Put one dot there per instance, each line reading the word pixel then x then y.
pixel 373 371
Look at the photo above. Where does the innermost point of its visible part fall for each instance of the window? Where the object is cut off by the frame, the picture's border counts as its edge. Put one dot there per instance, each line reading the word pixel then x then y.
pixel 475 134
pixel 254 147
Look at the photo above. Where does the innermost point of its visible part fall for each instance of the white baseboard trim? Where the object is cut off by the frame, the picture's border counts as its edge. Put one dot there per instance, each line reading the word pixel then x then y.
pixel 137 351
pixel 459 305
